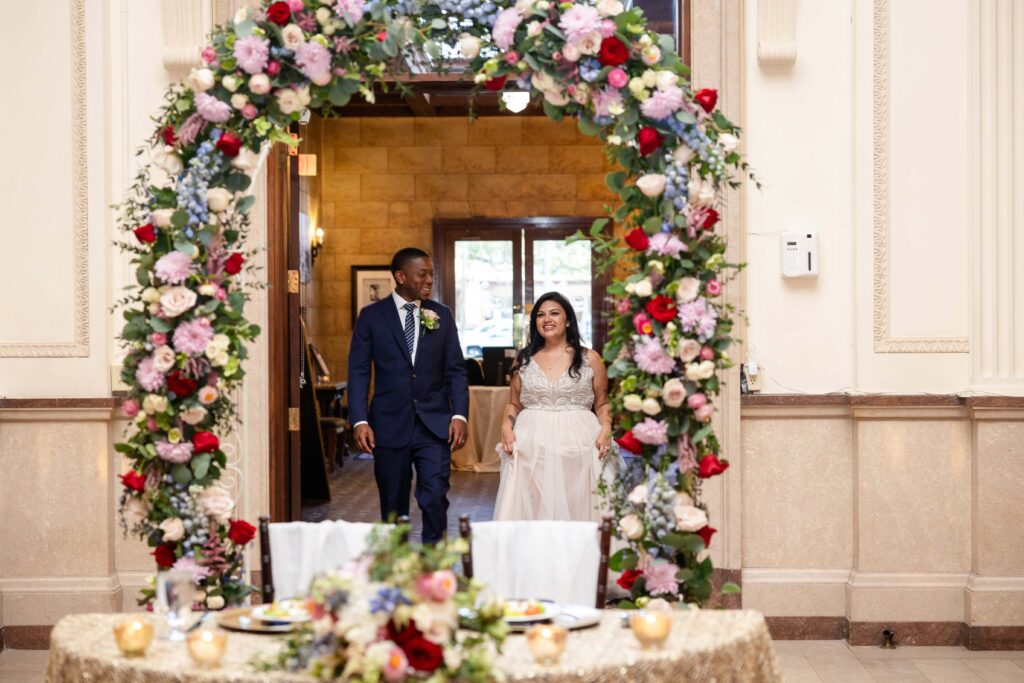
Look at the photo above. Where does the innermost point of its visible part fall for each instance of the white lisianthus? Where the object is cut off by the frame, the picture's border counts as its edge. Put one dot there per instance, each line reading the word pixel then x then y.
pixel 631 526
pixel 651 184
pixel 154 404
pixel 610 8
pixel 542 81
pixel 701 192
pixel 216 502
pixel 218 199
pixel 193 416
pixel 177 300
pixel 651 406
pixel 638 496
pixel 259 84
pixel 173 529
pixel 689 288
pixel 524 7
pixel 645 40
pixel 201 80
pixel 543 5
pixel 162 217
pixel 571 52
pixel 614 140
pixel 217 350
pixel 729 142
pixel 657 266
pixel 683 154
pixel 699 371
pixel 666 79
pixel 154 309
pixel 164 358
pixel 215 601
pixel 231 82
pixel 556 97
pixel 643 288
pixel 632 402
pixel 207 289
pixel 688 350
pixel 590 44
pixel 247 161
pixel 689 518
pixel 534 29
pixel 288 101
pixel 135 510
pixel 673 393
pixel 581 94
pixel 292 37
pixel 150 295
pixel 323 15
pixel 469 45
pixel 239 100
pixel 650 55
pixel 636 85
pixel 168 162
pixel 452 658
pixel 650 78
pixel 304 97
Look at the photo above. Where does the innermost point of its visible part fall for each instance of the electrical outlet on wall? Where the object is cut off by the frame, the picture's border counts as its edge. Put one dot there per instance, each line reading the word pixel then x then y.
pixel 754 374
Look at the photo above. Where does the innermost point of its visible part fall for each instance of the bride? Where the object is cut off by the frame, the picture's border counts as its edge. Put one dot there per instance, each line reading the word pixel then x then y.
pixel 557 425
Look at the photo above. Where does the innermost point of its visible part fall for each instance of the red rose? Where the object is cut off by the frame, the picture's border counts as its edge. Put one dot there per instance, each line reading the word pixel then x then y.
pixel 233 265
pixel 134 481
pixel 422 654
pixel 164 555
pixel 707 98
pixel 629 442
pixel 710 465
pixel 650 140
pixel 706 533
pixel 279 13
pixel 628 578
pixel 637 239
pixel 229 144
pixel 241 532
pixel 662 308
pixel 495 84
pixel 710 218
pixel 613 52
pixel 406 635
pixel 169 137
pixel 182 386
pixel 145 233
pixel 382 36
pixel 204 442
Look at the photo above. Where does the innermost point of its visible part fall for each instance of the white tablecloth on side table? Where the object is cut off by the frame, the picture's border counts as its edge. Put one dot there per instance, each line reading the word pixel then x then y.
pixel 486 405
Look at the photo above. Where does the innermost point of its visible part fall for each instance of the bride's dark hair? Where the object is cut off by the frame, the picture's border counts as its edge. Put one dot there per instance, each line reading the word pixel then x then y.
pixel 535 342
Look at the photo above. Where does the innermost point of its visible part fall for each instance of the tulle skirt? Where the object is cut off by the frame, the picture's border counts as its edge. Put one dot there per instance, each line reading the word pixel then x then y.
pixel 555 469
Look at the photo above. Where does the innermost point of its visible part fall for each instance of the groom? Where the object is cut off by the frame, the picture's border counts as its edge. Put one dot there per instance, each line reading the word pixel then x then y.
pixel 420 393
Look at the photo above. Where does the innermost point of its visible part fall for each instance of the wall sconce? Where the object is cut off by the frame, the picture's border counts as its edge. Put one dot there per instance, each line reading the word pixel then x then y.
pixel 316 244
pixel 516 100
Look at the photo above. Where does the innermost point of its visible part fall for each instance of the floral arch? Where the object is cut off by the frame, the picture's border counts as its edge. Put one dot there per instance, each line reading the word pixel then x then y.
pixel 185 329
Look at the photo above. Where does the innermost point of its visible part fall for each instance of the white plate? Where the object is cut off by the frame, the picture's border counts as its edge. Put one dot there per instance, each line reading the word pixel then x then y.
pixel 295 612
pixel 578 616
pixel 551 610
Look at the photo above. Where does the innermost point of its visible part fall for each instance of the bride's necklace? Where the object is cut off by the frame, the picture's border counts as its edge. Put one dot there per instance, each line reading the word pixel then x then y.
pixel 548 365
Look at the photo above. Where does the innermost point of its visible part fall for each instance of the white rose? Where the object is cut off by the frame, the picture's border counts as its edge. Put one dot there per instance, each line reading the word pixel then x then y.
pixel 288 101
pixel 729 142
pixel 609 8
pixel 177 300
pixel 571 53
pixel 216 502
pixel 632 402
pixel 543 5
pixel 651 184
pixel 699 371
pixel 215 602
pixel 688 350
pixel 291 36
pixel 542 81
pixel 135 510
pixel 665 79
pixel 673 393
pixel 452 658
pixel 194 416
pixel 684 154
pixel 201 80
pixel 689 288
pixel 304 97
pixel 556 97
pixel 524 7
pixel 218 357
pixel 590 44
pixel 169 162
pixel 650 78
pixel 323 15
pixel 218 199
pixel 259 84
pixel 163 358
pixel 701 192
pixel 162 217
pixel 247 161
pixel 207 289
pixel 638 496
pixel 650 55
pixel 651 406
pixel 154 403
pixel 643 288
pixel 150 295
pixel 231 82
pixel 173 529
pixel 239 100
pixel 690 518
pixel 657 266
pixel 154 309
pixel 534 29
pixel 631 526
pixel 682 499
pixel 636 85
pixel 469 46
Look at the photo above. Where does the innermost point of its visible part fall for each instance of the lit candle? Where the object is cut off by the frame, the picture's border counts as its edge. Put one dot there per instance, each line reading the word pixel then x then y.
pixel 133 636
pixel 206 646
pixel 651 628
pixel 547 642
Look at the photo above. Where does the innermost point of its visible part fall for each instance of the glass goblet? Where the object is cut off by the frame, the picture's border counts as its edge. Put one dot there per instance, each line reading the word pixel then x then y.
pixel 175 591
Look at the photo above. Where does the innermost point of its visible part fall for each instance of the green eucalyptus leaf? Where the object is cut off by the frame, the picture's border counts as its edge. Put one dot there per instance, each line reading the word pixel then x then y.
pixel 181 474
pixel 201 465
pixel 237 182
pixel 245 203
pixel 179 218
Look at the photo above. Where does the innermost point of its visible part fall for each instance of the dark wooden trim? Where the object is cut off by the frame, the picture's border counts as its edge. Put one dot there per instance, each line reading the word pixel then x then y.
pixel 467 535
pixel 26 637
pixel 808 628
pixel 684 24
pixel 295 343
pixel 605 544
pixel 57 403
pixel 266 582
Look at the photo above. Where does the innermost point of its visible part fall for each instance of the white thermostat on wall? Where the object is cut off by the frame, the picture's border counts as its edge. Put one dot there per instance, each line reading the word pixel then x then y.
pixel 799 254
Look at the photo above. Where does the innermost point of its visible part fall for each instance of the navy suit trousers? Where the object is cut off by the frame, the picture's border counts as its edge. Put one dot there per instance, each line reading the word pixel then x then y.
pixel 432 459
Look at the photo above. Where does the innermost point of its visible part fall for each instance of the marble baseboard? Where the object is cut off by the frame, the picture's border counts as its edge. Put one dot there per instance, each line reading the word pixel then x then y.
pixel 948 633
pixel 995 638
pixel 908 633
pixel 25 637
pixel 808 628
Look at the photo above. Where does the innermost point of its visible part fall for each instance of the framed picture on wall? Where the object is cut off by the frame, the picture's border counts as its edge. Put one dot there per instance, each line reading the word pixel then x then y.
pixel 369 284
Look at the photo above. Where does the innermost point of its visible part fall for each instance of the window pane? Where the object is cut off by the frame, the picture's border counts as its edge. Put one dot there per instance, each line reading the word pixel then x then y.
pixel 662 16
pixel 566 268
pixel 483 294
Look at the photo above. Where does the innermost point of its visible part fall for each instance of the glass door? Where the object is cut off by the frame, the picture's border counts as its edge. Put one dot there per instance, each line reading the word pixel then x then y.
pixel 552 265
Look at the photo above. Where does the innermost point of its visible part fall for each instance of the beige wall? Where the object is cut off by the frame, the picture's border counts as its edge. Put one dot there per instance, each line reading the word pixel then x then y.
pixel 385 179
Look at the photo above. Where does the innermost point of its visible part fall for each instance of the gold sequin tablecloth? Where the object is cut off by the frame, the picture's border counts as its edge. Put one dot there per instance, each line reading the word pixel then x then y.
pixel 720 646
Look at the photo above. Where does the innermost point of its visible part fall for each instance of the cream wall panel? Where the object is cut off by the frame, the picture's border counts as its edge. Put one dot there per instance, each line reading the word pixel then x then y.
pixel 999 498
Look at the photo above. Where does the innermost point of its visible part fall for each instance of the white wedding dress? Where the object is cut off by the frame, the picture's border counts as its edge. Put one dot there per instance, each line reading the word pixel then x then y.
pixel 554 471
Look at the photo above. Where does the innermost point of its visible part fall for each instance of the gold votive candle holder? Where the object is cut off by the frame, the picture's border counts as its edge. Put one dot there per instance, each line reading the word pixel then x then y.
pixel 547 642
pixel 651 628
pixel 207 646
pixel 133 636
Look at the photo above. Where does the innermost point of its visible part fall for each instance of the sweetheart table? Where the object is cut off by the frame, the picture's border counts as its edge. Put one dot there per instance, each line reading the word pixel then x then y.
pixel 714 645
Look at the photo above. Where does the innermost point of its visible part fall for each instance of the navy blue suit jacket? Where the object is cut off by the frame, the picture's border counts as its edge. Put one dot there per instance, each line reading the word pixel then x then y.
pixel 434 389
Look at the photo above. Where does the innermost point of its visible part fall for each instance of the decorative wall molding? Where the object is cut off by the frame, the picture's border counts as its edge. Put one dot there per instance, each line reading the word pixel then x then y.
pixel 884 342
pixel 79 346
pixel 186 25
pixel 776 32
pixel 796 576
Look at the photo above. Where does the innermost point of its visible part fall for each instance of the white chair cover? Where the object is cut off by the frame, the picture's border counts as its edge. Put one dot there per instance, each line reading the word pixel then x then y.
pixel 302 550
pixel 553 560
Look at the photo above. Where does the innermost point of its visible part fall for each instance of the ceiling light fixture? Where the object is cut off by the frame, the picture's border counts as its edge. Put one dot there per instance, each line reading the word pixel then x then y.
pixel 516 100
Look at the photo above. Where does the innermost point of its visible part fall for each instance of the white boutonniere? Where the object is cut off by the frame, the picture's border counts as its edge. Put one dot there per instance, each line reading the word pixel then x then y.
pixel 430 320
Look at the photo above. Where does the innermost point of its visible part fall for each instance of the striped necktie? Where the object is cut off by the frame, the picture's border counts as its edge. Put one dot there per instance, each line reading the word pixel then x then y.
pixel 410 327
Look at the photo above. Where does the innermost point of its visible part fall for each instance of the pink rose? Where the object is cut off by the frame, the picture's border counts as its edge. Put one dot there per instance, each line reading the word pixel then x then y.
pixel 249 112
pixel 130 407
pixel 511 57
pixel 151 424
pixel 158 338
pixel 707 353
pixel 696 401
pixel 713 287
pixel 608 28
pixel 622 307
pixel 617 78
pixel 209 55
pixel 704 413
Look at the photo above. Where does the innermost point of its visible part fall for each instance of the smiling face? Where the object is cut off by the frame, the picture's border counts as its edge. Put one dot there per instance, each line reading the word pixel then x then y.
pixel 551 320
pixel 416 279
